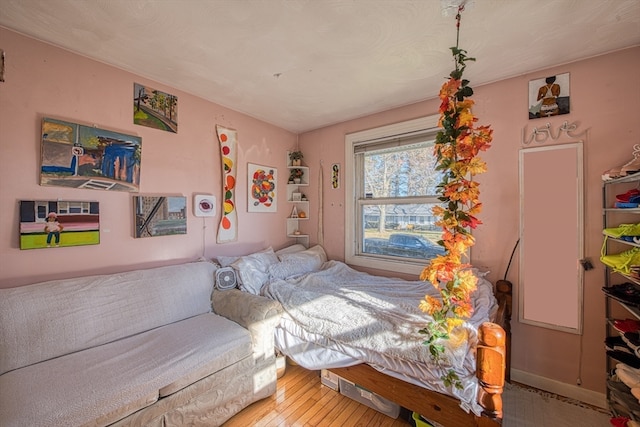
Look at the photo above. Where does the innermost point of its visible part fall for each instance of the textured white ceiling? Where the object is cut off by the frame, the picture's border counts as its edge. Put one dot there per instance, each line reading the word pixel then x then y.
pixel 305 64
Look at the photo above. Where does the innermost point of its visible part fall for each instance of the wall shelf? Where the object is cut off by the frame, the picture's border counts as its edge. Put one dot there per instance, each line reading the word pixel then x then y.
pixel 298 206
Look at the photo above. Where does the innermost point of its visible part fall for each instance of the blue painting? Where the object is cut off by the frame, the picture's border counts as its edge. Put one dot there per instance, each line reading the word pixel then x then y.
pixel 78 156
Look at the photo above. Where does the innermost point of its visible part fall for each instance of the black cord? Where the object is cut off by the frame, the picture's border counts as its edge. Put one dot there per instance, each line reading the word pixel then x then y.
pixel 511 259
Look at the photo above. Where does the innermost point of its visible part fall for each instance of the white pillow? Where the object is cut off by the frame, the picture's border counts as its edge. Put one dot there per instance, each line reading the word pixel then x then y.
pixel 253 270
pixel 317 250
pixel 298 247
pixel 294 264
pixel 226 261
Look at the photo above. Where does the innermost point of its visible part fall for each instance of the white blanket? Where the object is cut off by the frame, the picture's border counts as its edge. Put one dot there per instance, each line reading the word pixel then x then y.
pixel 376 320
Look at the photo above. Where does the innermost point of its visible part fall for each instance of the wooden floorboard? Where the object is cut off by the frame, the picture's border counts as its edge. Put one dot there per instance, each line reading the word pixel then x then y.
pixel 301 400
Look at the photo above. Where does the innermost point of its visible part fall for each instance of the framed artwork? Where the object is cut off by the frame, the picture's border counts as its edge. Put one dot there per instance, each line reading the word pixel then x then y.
pixel 57 223
pixel 296 197
pixel 335 176
pixel 204 205
pixel 1 65
pixel 79 156
pixel 549 96
pixel 228 228
pixel 160 215
pixel 262 182
pixel 155 109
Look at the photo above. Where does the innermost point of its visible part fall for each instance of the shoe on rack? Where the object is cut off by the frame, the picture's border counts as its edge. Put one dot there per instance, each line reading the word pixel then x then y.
pixel 628 368
pixel 623 261
pixel 632 164
pixel 632 339
pixel 625 205
pixel 626 400
pixel 636 393
pixel 626 325
pixel 617 343
pixel 630 377
pixel 610 174
pixel 622 230
pixel 620 421
pixel 627 293
pixel 624 197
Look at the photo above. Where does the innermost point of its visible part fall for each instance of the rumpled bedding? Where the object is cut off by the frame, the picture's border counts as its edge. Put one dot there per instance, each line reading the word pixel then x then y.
pixel 376 320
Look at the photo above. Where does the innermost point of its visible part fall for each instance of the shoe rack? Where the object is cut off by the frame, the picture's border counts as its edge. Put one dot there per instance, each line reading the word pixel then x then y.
pixel 622 298
pixel 298 203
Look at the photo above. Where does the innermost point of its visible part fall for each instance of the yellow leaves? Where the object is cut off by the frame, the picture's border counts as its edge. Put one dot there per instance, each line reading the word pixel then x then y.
pixel 430 304
pixel 465 118
pixel 476 166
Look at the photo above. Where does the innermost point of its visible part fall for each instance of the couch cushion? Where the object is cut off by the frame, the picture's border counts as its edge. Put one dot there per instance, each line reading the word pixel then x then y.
pixel 50 319
pixel 106 383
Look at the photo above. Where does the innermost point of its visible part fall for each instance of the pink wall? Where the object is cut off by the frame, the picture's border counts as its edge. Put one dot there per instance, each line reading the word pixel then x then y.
pixel 604 94
pixel 42 80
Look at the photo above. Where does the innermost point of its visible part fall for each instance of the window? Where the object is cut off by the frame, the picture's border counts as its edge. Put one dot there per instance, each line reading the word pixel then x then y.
pixel 390 183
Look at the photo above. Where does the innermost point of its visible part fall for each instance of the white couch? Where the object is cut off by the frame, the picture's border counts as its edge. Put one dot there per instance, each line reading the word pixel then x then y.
pixel 140 348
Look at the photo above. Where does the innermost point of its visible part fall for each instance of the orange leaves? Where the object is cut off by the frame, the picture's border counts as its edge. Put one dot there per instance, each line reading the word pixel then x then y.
pixel 457 147
pixel 430 304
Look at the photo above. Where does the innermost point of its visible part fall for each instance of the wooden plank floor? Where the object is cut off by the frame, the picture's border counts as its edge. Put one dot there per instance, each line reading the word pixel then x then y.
pixel 302 400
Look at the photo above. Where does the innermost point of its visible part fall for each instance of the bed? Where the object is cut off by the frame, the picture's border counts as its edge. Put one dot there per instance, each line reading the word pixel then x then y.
pixel 364 328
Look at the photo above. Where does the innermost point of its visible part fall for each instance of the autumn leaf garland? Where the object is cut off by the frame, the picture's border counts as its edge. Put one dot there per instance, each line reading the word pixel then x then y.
pixel 456 149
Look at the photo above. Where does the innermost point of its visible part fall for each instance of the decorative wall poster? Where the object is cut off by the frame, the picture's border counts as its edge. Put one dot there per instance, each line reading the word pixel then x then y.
pixel 262 182
pixel 155 109
pixel 55 223
pixel 160 216
pixel 549 96
pixel 204 205
pixel 80 156
pixel 228 228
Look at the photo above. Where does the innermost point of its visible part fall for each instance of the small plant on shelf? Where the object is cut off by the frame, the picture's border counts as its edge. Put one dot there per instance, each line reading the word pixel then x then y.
pixel 295 175
pixel 296 158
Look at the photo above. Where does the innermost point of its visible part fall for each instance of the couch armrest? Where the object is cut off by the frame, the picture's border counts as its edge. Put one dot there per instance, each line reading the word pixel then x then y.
pixel 258 314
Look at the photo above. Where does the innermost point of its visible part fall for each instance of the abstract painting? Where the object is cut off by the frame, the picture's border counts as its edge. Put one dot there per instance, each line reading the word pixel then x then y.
pixel 56 223
pixel 155 109
pixel 262 181
pixel 160 216
pixel 78 156
pixel 228 228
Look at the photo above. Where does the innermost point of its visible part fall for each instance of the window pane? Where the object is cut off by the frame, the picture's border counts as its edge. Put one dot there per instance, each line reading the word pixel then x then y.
pixel 401 172
pixel 400 230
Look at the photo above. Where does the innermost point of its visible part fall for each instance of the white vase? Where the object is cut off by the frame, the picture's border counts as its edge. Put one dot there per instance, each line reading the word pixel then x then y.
pixel 296 180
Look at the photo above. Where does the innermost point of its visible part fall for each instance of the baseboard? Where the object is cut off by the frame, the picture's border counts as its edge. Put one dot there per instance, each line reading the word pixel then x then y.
pixel 563 389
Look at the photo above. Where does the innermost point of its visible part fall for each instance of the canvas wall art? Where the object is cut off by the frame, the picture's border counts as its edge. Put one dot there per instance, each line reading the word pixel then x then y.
pixel 228 228
pixel 55 223
pixel 204 205
pixel 155 109
pixel 549 96
pixel 160 215
pixel 79 156
pixel 262 182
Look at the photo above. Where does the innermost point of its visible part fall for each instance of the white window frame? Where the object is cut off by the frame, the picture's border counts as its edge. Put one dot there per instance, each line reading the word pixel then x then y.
pixel 427 124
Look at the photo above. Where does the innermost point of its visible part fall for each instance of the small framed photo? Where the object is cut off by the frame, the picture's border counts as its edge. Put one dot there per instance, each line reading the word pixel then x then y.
pixel 296 197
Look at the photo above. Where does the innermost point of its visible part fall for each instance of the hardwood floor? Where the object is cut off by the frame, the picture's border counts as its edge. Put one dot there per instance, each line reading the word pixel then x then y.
pixel 302 400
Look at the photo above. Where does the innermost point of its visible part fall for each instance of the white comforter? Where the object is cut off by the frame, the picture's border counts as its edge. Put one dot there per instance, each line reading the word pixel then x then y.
pixel 375 320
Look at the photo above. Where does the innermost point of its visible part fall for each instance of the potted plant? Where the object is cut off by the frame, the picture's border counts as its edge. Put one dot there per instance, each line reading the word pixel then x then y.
pixel 296 158
pixel 295 175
